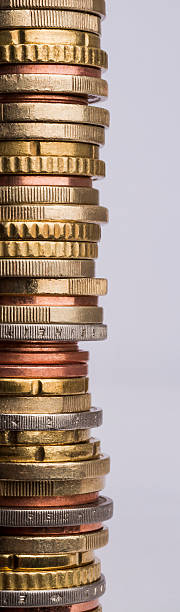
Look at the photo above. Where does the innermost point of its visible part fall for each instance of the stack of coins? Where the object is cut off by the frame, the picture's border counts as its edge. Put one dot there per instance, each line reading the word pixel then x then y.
pixel 52 470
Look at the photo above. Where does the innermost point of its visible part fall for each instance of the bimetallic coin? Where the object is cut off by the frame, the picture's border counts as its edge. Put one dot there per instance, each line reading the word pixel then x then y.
pixel 92 6
pixel 22 580
pixel 93 88
pixel 91 134
pixel 44 194
pixel 53 53
pixel 55 597
pixel 46 268
pixel 53 422
pixel 50 314
pixel 53 332
pixel 76 542
pixel 97 512
pixel 95 468
pixel 34 18
pixel 48 287
pixel 82 451
pixel 67 212
pixel 52 112
pixel 45 405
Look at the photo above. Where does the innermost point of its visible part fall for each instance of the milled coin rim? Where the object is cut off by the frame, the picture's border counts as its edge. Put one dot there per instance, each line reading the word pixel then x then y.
pixel 55 597
pixel 50 18
pixel 65 332
pixel 51 422
pixel 92 6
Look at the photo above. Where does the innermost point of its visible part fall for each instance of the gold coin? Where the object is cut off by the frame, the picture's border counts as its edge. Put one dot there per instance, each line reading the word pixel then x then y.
pixel 53 54
pixel 46 268
pixel 59 149
pixel 91 6
pixel 49 37
pixel 80 166
pixel 69 543
pixel 54 113
pixel 58 579
pixel 93 88
pixel 50 488
pixel 27 230
pixel 51 314
pixel 74 471
pixel 65 20
pixel 38 387
pixel 47 212
pixel 62 286
pixel 63 437
pixel 94 134
pixel 67 453
pixel 45 405
pixel 54 250
pixel 44 562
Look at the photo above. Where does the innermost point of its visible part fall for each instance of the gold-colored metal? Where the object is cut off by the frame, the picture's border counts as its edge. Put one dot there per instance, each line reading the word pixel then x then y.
pixel 40 387
pixel 74 452
pixel 50 488
pixel 81 166
pixel 91 87
pixel 94 134
pixel 63 437
pixel 50 112
pixel 46 268
pixel 29 230
pixel 44 405
pixel 51 314
pixel 74 471
pixel 88 6
pixel 62 286
pixel 49 37
pixel 47 212
pixel 58 579
pixel 57 544
pixel 44 194
pixel 58 149
pixel 44 562
pixel 50 18
pixel 53 54
pixel 54 250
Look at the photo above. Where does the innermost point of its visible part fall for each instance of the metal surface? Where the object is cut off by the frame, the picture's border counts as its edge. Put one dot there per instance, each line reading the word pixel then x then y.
pixel 44 422
pixel 46 268
pixel 81 451
pixel 52 598
pixel 53 132
pixel 92 6
pixel 94 468
pixel 34 489
pixel 49 544
pixel 35 18
pixel 45 405
pixel 53 53
pixel 54 112
pixel 57 579
pixel 50 314
pixel 52 332
pixel 93 88
pixel 51 287
pixel 48 212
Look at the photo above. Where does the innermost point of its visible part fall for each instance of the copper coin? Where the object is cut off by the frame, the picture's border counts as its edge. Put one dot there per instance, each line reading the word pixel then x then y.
pixel 50 69
pixel 42 371
pixel 48 502
pixel 47 300
pixel 8 357
pixel 17 179
pixel 84 607
pixel 45 97
pixel 48 531
pixel 29 347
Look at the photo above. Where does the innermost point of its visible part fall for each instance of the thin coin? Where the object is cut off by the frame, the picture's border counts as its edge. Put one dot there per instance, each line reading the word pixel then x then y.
pixel 44 194
pixel 38 357
pixel 47 300
pixel 42 371
pixel 90 87
pixel 49 488
pixel 45 405
pixel 47 268
pixel 47 387
pixel 54 422
pixel 49 36
pixel 51 502
pixel 78 542
pixel 82 451
pixel 47 148
pixel 21 580
pixel 45 249
pixel 57 287
pixel 53 53
pixel 52 112
pixel 66 20
pixel 30 230
pixel 95 468
pixel 54 131
pixel 50 314
pixel 53 598
pixel 92 6
pixel 44 437
pixel 44 562
pixel 78 166
pixel 48 212
pixel 86 332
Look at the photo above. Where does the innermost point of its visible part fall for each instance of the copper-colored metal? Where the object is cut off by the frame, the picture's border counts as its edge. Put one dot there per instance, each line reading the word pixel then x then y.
pixel 46 97
pixel 18 179
pixel 44 371
pixel 43 358
pixel 29 347
pixel 84 607
pixel 48 502
pixel 48 531
pixel 47 300
pixel 50 69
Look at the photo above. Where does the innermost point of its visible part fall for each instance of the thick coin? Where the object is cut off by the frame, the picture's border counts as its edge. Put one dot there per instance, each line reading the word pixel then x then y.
pixel 91 87
pixel 55 597
pixel 72 452
pixel 50 314
pixel 47 387
pixel 67 212
pixel 52 112
pixel 45 249
pixel 91 6
pixel 44 562
pixel 47 148
pixel 66 20
pixel 49 488
pixel 53 53
pixel 38 438
pixel 97 512
pixel 94 468
pixel 45 405
pixel 47 287
pixel 22 580
pixel 78 542
pixel 53 422
pixel 57 332
pixel 46 268
pixel 44 194
pixel 77 166
pixel 53 131
pixel 30 230
pixel 49 36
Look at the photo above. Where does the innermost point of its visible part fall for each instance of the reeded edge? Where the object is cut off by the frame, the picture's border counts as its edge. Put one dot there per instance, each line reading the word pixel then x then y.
pixel 53 598
pixel 52 422
pixel 53 333
pixel 96 7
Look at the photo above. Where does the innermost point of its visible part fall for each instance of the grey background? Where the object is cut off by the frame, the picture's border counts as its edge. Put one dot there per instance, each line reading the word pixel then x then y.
pixel 135 376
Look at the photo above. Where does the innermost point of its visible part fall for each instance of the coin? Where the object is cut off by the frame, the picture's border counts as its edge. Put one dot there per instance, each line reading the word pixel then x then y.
pixel 52 422
pixel 49 36
pixel 93 88
pixel 66 212
pixel 78 542
pixel 72 452
pixel 53 332
pixel 50 597
pixel 41 387
pixel 53 53
pixel 48 287
pixel 46 268
pixel 22 580
pixel 51 502
pixel 54 112
pixel 54 131
pixel 93 6
pixel 45 194
pixel 49 488
pixel 69 370
pixel 78 166
pixel 50 314
pixel 94 468
pixel 45 405
pixel 47 148
pixel 34 18
pixel 66 231
pixel 39 438
pixel 44 562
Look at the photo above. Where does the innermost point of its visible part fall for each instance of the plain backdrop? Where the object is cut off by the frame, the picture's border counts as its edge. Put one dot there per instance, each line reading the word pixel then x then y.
pixel 134 377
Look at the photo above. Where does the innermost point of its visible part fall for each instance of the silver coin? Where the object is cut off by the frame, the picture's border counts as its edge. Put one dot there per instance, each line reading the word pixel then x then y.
pixel 44 194
pixel 52 422
pixel 63 597
pixel 51 333
pixel 100 511
pixel 47 268
pixel 93 6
